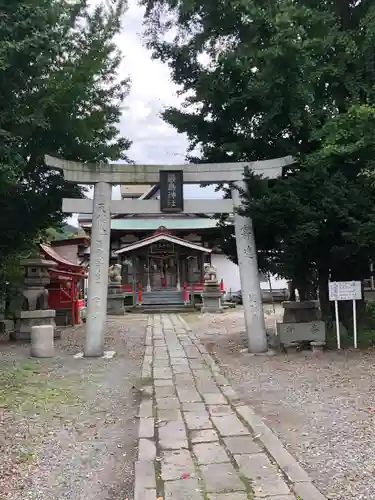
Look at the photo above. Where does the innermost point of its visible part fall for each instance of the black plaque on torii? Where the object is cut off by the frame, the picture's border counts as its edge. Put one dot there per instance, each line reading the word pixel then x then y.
pixel 171 191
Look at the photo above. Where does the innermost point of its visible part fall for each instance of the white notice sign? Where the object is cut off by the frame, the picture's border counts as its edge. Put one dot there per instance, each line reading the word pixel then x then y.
pixel 345 290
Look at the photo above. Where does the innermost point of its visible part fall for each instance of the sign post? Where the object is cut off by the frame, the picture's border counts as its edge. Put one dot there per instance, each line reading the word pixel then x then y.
pixel 171 191
pixel 345 290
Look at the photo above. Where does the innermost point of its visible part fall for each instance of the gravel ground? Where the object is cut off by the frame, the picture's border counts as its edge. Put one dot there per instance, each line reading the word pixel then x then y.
pixel 322 408
pixel 68 426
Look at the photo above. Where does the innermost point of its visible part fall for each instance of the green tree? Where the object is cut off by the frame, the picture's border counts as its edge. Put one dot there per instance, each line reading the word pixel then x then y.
pixel 60 94
pixel 264 79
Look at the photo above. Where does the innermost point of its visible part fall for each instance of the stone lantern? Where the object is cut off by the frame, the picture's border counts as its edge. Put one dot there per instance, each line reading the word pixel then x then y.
pixel 34 311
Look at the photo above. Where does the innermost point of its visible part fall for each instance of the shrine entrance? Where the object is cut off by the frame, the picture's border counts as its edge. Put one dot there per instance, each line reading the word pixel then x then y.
pixel 163 262
pixel 171 182
pixel 163 272
pixel 163 265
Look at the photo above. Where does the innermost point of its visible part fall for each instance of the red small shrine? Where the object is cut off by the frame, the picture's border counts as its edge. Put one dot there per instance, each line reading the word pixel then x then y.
pixel 66 290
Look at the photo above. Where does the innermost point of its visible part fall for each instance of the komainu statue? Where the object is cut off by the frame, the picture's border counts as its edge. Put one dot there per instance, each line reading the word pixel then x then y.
pixel 115 274
pixel 210 272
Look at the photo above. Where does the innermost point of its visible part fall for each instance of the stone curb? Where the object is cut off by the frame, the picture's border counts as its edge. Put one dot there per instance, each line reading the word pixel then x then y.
pixel 301 483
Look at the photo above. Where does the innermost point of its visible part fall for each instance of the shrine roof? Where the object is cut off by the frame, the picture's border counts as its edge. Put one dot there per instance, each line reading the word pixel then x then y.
pixel 64 263
pixel 162 237
pixel 152 224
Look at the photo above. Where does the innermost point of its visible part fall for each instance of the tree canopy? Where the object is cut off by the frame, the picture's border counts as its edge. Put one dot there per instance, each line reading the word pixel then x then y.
pixel 60 94
pixel 265 79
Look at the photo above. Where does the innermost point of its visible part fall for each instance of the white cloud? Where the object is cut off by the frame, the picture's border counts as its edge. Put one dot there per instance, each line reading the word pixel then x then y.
pixel 154 141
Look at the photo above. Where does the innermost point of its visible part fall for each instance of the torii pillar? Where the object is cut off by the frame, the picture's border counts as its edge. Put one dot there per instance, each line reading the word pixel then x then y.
pixel 104 176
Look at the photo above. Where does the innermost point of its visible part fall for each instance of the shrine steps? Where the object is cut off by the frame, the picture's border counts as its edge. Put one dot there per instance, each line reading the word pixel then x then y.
pixel 169 300
pixel 163 309
pixel 163 297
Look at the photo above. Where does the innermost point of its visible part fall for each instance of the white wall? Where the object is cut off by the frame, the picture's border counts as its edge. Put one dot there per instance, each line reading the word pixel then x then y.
pixel 230 273
pixel 69 252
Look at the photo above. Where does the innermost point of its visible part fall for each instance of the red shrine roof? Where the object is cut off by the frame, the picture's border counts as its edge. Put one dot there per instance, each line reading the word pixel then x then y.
pixel 64 264
pixel 162 235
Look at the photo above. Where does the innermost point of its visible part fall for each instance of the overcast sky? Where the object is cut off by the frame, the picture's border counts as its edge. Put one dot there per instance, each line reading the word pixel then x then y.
pixel 151 91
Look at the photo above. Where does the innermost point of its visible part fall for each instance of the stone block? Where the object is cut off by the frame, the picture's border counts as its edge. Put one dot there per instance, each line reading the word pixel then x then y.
pixel 272 486
pixel 42 341
pixel 307 491
pixel 165 392
pixel 301 332
pixel 172 435
pixel 197 420
pixel 265 477
pixel 146 449
pixel 239 445
pixel 169 415
pixel 210 453
pixel 146 427
pixel 162 373
pixel 189 396
pixel 220 410
pixel 195 407
pixel 212 303
pixel 144 476
pixel 116 305
pixel 203 436
pixel 231 496
pixel 167 404
pixel 214 399
pixel 25 320
pixel 145 409
pixel 221 478
pixel 230 425
pixel 183 489
pixel 176 463
pixel 166 382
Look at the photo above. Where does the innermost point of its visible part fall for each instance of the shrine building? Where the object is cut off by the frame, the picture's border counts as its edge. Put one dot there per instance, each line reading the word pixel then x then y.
pixel 164 254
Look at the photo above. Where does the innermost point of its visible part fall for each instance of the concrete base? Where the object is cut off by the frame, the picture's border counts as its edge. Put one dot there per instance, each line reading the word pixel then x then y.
pixel 42 341
pixel 115 305
pixel 115 300
pixel 212 304
pixel 25 320
pixel 106 355
pixel 314 331
pixel 212 298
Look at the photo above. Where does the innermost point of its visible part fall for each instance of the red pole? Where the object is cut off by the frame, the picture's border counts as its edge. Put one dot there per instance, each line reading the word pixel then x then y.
pixel 76 303
pixel 73 294
pixel 139 293
pixel 222 285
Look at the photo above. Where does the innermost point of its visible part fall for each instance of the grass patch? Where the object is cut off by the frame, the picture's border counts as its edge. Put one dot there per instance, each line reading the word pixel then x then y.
pixel 29 386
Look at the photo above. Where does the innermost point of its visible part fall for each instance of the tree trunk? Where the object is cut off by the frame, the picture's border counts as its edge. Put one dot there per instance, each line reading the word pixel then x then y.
pixel 325 305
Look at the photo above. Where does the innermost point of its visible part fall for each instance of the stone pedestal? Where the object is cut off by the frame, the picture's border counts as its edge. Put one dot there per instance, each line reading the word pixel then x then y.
pixel 115 300
pixel 212 298
pixel 25 320
pixel 301 332
pixel 301 323
pixel 42 341
pixel 301 312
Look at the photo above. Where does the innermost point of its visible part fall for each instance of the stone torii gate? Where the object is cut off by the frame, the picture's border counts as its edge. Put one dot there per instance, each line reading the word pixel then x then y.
pixel 103 176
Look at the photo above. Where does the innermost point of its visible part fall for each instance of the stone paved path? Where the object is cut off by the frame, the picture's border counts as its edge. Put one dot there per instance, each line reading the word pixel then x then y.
pixel 197 441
